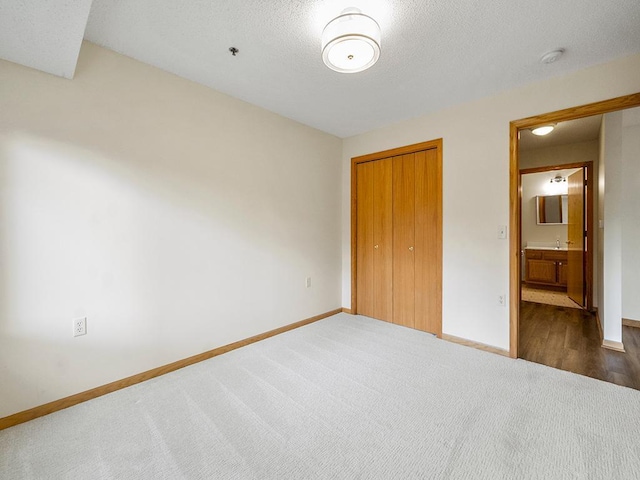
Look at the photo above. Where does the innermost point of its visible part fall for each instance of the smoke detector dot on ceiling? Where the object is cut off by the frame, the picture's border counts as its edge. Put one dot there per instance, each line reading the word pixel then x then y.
pixel 552 56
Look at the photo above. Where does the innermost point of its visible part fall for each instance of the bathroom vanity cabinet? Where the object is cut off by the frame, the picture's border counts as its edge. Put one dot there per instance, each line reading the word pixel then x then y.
pixel 546 267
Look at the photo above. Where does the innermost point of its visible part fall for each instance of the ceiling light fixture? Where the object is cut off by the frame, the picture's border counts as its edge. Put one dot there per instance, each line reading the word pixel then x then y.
pixel 543 130
pixel 552 56
pixel 351 42
pixel 558 179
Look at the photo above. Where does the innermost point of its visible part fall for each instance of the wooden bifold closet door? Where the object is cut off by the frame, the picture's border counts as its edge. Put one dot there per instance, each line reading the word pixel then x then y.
pixel 374 242
pixel 398 239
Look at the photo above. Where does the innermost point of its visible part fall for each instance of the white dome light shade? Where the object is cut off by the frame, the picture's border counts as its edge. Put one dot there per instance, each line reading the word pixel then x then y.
pixel 351 42
pixel 545 130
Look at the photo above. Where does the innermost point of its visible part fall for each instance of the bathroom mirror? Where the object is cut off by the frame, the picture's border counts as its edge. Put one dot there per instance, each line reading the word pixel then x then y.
pixel 552 209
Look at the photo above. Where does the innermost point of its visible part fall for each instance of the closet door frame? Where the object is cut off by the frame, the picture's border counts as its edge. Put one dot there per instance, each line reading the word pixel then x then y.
pixel 417 147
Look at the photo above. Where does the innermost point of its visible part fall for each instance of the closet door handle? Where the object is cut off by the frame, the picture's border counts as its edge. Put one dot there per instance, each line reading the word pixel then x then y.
pixel 375 246
pixel 411 249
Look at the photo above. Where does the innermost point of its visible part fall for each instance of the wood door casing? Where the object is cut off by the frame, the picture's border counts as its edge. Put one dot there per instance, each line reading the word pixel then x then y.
pixel 575 236
pixel 404 240
pixel 383 239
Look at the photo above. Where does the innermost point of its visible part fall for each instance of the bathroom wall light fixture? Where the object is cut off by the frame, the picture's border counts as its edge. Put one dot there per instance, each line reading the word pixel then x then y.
pixel 351 42
pixel 543 130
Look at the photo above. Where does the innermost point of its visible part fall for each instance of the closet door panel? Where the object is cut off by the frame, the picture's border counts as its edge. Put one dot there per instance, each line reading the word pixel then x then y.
pixel 403 240
pixel 383 239
pixel 364 238
pixel 428 221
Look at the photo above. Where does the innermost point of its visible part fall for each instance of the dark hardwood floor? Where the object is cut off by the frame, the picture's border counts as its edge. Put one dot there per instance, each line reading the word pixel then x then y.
pixel 568 339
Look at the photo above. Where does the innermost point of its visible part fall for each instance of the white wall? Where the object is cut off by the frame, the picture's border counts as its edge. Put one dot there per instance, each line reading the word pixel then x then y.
pixel 619 259
pixel 599 225
pixel 175 218
pixel 631 214
pixel 476 188
pixel 610 262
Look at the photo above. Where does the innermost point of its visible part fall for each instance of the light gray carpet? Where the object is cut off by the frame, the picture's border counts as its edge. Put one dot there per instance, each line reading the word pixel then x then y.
pixel 346 397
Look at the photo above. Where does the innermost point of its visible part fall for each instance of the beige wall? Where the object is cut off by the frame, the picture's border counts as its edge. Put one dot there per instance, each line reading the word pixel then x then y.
pixel 175 218
pixel 476 188
pixel 560 155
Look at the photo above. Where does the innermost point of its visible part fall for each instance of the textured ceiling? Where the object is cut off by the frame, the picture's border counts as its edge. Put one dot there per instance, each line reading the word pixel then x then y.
pixel 434 53
pixel 572 131
pixel 43 34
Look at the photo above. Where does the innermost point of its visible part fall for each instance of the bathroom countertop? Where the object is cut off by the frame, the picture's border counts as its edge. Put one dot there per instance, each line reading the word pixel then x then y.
pixel 561 249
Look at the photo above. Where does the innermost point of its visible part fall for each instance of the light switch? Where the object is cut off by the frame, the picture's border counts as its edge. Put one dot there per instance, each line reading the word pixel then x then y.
pixel 502 231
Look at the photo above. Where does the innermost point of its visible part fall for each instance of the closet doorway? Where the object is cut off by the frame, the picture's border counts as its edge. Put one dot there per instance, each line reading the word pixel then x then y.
pixel 396 236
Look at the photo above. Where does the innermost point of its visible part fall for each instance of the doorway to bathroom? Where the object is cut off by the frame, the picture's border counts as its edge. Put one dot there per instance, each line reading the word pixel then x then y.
pixel 575 339
pixel 556 233
pixel 557 245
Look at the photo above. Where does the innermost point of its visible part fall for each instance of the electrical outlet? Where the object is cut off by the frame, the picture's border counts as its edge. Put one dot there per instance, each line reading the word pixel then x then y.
pixel 80 327
pixel 308 282
pixel 502 300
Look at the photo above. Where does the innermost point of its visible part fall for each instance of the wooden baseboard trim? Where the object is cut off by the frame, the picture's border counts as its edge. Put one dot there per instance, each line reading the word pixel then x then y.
pixel 631 323
pixel 476 345
pixel 613 345
pixel 347 310
pixel 72 400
